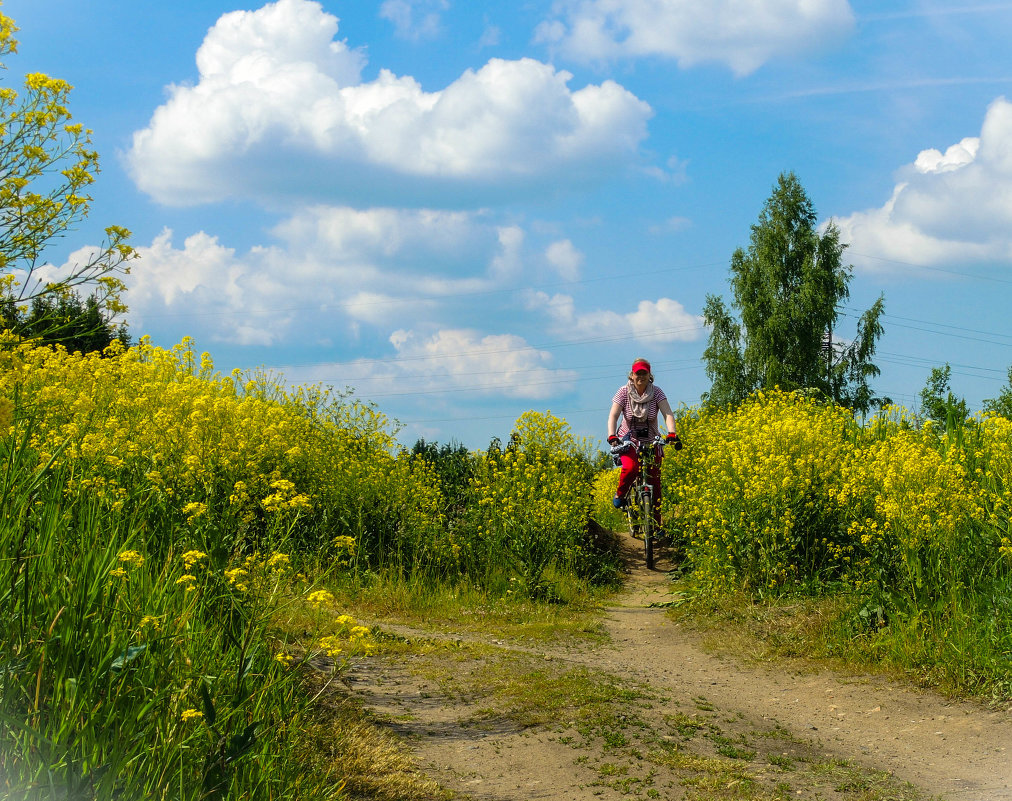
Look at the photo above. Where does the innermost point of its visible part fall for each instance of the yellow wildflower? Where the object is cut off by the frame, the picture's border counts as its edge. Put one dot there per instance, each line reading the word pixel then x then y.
pixel 193 510
pixel 190 558
pixel 6 415
pixel 279 561
pixel 320 597
pixel 132 558
pixel 330 645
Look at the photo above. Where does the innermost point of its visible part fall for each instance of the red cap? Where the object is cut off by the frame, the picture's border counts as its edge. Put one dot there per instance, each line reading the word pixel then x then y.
pixel 641 364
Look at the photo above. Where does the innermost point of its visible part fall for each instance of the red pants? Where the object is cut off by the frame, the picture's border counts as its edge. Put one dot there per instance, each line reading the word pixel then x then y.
pixel 631 470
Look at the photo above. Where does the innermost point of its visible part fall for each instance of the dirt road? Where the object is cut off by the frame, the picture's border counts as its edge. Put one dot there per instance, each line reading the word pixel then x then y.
pixel 812 735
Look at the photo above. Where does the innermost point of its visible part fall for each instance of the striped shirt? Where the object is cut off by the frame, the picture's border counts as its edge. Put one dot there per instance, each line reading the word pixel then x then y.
pixel 659 402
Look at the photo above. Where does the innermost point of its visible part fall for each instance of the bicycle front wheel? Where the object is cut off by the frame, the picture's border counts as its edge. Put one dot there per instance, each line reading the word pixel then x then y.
pixel 647 526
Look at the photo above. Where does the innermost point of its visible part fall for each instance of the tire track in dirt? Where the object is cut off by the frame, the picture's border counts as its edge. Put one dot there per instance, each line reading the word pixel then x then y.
pixel 956 750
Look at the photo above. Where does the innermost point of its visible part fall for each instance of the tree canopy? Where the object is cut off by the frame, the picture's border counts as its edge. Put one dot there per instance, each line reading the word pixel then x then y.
pixel 937 401
pixel 65 320
pixel 46 166
pixel 787 289
pixel 1002 404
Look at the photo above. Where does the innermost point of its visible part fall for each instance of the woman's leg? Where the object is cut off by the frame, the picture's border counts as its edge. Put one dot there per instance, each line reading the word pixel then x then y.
pixel 630 470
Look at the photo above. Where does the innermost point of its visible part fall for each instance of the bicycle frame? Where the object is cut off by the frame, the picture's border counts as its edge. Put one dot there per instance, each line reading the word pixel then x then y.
pixel 640 510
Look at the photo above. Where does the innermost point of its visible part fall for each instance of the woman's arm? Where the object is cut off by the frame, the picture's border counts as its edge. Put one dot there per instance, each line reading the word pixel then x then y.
pixel 613 415
pixel 669 422
pixel 669 418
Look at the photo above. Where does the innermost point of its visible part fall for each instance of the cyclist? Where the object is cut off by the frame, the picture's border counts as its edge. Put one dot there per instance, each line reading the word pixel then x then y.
pixel 638 403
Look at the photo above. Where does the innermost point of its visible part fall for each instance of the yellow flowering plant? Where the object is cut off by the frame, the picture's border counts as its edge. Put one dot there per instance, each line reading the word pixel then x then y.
pixel 236 461
pixel 754 494
pixel 787 491
pixel 143 633
pixel 529 506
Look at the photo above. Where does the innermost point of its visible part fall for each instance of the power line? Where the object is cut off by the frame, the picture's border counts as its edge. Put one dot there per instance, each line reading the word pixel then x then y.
pixel 900 359
pixel 934 269
pixel 498 387
pixel 934 362
pixel 940 325
pixel 955 336
pixel 491 417
pixel 658 365
pixel 916 361
pixel 946 333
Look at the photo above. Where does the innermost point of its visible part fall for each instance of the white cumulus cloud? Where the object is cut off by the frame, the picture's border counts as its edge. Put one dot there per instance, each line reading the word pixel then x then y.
pixel 280 110
pixel 947 206
pixel 742 34
pixel 565 259
pixel 229 297
pixel 663 320
pixel 414 19
pixel 452 363
pixel 328 272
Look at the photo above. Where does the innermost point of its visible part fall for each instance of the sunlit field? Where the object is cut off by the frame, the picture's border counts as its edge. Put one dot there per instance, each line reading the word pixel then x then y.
pixel 173 542
pixel 165 530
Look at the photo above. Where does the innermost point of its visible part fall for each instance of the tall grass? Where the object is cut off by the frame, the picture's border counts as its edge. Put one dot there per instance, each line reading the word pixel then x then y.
pixel 530 502
pixel 223 455
pixel 133 672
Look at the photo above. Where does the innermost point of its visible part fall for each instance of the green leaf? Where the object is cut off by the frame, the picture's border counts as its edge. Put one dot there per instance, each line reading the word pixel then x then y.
pixel 241 743
pixel 14 667
pixel 128 656
pixel 209 713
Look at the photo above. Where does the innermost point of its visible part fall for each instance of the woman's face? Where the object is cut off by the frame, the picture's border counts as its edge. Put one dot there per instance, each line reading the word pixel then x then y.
pixel 641 379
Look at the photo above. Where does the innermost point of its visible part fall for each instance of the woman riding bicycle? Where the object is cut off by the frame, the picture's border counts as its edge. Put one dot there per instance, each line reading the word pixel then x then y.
pixel 638 403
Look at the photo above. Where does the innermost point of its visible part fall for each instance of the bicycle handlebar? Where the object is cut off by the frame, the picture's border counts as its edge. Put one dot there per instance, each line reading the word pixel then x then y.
pixel 626 445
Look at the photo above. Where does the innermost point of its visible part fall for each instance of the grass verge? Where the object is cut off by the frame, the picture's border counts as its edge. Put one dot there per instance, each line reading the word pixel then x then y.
pixel 466 609
pixel 809 632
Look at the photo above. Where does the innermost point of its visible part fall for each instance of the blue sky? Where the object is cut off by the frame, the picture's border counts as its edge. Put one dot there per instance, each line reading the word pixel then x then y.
pixel 467 210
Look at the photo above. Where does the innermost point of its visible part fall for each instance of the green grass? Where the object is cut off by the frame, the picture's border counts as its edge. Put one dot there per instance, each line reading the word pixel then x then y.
pixel 463 608
pixel 118 680
pixel 367 761
pixel 125 673
pixel 956 654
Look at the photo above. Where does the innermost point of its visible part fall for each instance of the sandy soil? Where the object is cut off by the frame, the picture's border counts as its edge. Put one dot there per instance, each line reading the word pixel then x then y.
pixel 958 751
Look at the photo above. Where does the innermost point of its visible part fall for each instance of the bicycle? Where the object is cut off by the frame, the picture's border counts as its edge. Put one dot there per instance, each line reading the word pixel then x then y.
pixel 640 508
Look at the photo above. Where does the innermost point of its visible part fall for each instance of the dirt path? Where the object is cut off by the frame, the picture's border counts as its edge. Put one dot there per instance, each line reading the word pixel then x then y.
pixel 813 734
